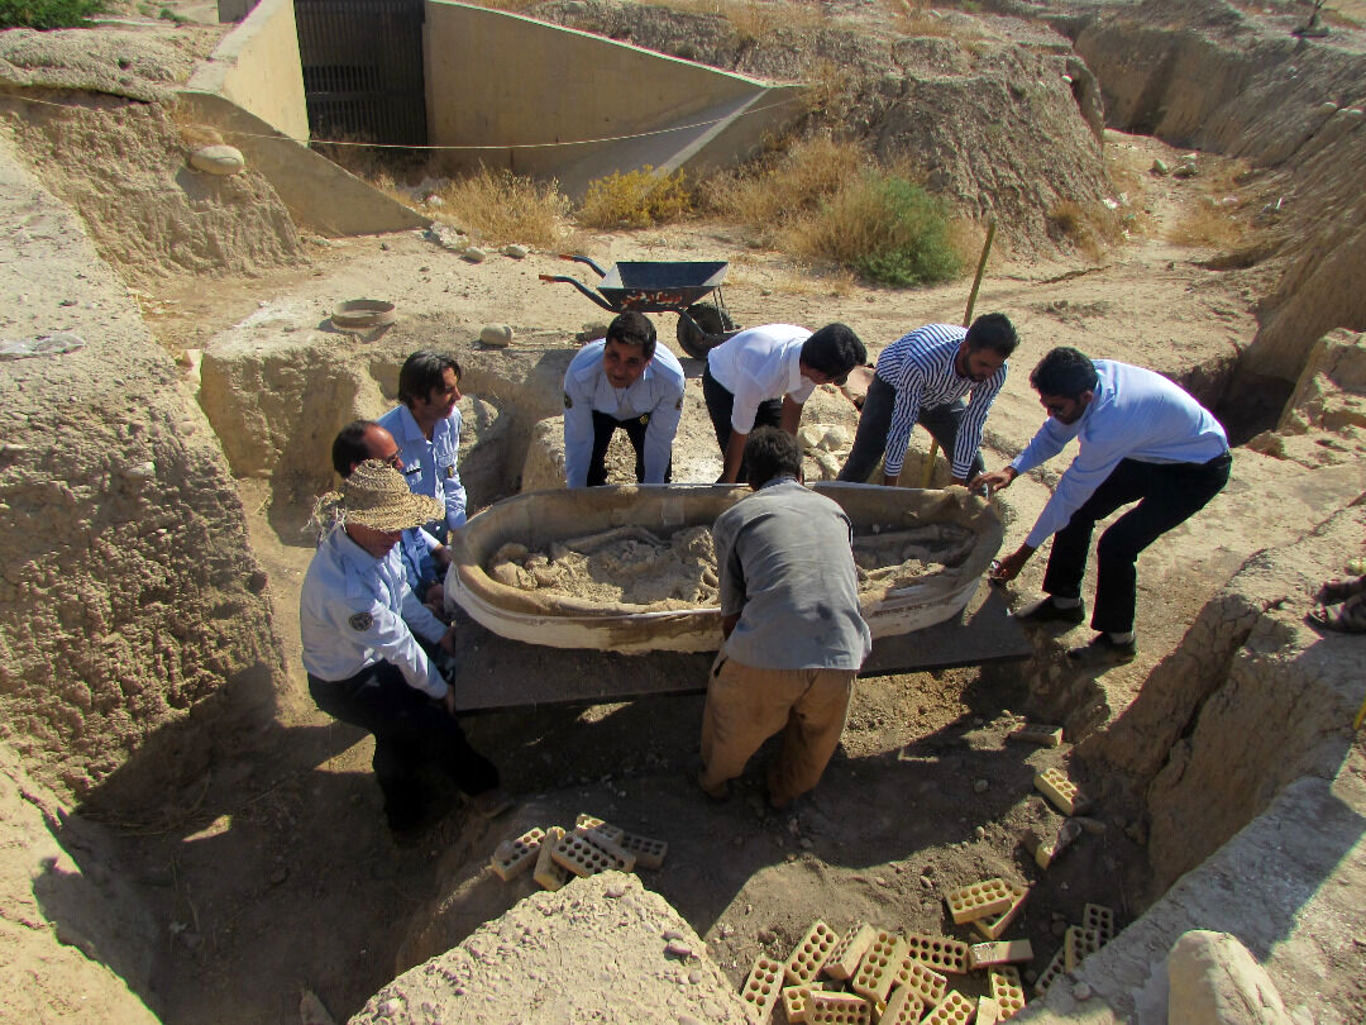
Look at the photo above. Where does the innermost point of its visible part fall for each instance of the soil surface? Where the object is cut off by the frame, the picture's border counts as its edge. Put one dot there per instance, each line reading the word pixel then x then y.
pixel 270 870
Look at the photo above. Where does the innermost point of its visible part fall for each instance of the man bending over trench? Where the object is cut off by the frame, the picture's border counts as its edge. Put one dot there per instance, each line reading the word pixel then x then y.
pixel 794 636
pixel 365 666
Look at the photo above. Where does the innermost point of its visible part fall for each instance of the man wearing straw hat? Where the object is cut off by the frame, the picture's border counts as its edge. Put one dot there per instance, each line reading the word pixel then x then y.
pixel 357 617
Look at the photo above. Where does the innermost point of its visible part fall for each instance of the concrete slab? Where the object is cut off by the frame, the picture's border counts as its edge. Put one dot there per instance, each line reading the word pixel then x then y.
pixel 498 674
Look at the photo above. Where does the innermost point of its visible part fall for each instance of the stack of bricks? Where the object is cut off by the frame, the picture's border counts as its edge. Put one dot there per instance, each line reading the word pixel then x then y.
pixel 556 855
pixel 1079 942
pixel 872 975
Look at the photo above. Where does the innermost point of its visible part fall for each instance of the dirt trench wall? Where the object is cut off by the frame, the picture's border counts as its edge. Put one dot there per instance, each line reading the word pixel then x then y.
pixel 1252 700
pixel 127 590
pixel 1207 76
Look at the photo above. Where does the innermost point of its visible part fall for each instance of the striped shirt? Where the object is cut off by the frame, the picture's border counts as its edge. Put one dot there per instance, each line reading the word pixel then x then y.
pixel 920 366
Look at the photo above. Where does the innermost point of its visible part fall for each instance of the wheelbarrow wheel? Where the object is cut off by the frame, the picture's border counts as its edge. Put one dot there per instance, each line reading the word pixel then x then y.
pixel 701 329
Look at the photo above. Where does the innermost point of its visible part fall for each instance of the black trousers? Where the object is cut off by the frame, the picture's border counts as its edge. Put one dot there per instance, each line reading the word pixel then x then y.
pixel 411 731
pixel 604 426
pixel 942 421
pixel 721 404
pixel 1168 494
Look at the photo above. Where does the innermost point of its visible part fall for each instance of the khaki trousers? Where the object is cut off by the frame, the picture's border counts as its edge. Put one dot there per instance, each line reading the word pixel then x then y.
pixel 745 706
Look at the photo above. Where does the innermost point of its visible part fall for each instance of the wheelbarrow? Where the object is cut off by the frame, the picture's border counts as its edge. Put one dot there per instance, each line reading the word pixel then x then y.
pixel 664 287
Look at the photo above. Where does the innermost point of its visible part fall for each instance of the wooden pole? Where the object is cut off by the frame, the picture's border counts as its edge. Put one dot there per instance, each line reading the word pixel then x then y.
pixel 967 322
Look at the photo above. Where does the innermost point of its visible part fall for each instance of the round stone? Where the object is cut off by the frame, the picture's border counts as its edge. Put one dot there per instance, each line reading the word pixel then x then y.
pixel 221 160
pixel 496 336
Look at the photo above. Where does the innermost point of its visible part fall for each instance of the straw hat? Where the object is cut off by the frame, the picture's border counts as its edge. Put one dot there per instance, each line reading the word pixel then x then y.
pixel 376 496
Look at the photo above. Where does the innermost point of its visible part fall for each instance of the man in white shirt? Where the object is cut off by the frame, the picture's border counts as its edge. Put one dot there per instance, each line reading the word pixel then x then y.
pixel 357 618
pixel 763 376
pixel 623 380
pixel 1142 439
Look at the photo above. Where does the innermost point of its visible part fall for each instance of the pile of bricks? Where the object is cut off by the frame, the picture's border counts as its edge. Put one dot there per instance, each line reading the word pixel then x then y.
pixel 875 975
pixel 556 855
pixel 1096 930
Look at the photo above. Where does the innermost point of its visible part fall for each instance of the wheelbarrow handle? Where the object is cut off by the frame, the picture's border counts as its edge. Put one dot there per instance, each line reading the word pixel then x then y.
pixel 579 258
pixel 582 288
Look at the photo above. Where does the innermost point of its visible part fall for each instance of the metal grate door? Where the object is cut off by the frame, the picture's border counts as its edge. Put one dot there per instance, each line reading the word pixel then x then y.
pixel 363 73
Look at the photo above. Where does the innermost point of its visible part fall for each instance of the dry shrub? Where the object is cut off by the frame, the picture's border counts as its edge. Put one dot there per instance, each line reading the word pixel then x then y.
pixel 1092 228
pixel 1209 223
pixel 885 228
pixel 499 206
pixel 782 187
pixel 636 199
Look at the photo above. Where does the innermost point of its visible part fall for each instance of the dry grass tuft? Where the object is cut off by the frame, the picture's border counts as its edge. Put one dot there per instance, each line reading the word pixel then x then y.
pixel 1092 228
pixel 636 199
pixel 1210 224
pixel 499 206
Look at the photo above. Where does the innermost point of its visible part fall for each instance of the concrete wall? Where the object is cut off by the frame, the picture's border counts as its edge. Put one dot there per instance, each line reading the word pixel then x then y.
pixel 558 86
pixel 256 66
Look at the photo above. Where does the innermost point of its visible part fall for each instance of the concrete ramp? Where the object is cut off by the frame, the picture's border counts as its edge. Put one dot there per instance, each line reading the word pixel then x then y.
pixel 557 102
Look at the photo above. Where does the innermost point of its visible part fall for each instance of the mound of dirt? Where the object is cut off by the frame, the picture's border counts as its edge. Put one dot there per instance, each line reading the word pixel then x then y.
pixel 120 62
pixel 1003 128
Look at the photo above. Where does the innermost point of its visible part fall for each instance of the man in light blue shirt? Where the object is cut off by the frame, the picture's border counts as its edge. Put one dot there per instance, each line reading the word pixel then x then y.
pixel 623 380
pixel 794 635
pixel 427 429
pixel 1142 439
pixel 420 552
pixel 359 624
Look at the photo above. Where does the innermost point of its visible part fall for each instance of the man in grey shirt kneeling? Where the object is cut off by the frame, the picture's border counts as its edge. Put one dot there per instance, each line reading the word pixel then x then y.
pixel 794 636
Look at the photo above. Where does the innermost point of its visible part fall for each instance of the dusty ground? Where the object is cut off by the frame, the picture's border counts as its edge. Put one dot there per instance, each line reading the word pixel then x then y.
pixel 272 869
pixel 285 838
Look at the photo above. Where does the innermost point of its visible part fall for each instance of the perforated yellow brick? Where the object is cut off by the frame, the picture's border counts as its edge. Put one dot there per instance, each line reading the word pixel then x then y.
pixel 877 971
pixel 622 859
pixel 1100 920
pixel 921 980
pixel 796 999
pixel 763 987
pixel 938 952
pixel 904 1007
pixel 585 821
pixel 1046 845
pixel 1004 952
pixel 581 856
pixel 993 928
pixel 513 857
pixel 954 1009
pixel 986 899
pixel 549 873
pixel 844 958
pixel 1065 795
pixel 1078 943
pixel 1054 969
pixel 649 853
pixel 838 1009
pixel 988 1011
pixel 1007 990
pixel 810 954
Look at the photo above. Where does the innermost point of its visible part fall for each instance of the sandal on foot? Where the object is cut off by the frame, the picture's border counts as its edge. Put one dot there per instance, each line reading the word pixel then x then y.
pixel 1348 617
pixel 1338 590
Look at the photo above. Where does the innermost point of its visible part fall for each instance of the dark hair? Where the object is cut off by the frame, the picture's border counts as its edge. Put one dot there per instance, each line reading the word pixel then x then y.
pixel 421 372
pixel 633 328
pixel 1064 372
pixel 993 331
pixel 771 452
pixel 834 350
pixel 349 447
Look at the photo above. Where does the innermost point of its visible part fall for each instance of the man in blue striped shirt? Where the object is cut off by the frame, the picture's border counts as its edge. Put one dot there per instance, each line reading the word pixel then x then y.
pixel 923 377
pixel 1142 439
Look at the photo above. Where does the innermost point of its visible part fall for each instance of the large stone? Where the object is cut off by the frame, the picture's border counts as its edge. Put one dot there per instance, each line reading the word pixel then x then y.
pixel 220 160
pixel 1215 981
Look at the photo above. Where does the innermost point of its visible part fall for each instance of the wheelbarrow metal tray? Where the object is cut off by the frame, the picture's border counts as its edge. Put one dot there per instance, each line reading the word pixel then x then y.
pixel 537 518
pixel 659 287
